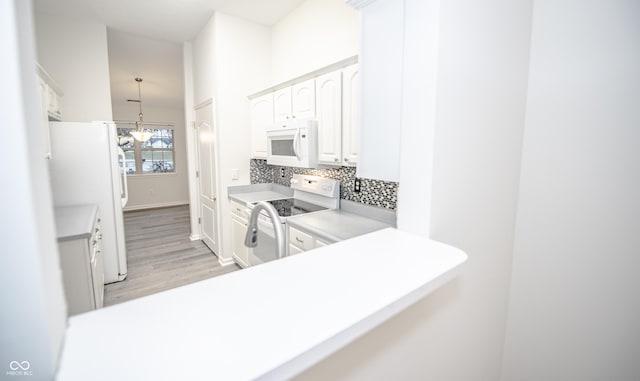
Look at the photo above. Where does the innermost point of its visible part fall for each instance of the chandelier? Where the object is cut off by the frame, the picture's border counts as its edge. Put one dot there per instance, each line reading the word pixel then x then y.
pixel 140 133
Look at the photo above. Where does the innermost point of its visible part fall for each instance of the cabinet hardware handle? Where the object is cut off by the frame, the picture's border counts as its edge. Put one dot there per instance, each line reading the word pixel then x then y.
pixel 336 159
pixel 299 240
pixel 346 159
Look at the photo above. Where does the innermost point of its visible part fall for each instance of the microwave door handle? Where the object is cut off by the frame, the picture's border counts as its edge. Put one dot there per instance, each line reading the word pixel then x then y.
pixel 296 143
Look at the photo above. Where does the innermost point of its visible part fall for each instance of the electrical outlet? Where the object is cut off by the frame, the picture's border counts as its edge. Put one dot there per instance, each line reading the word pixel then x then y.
pixel 356 185
pixel 282 172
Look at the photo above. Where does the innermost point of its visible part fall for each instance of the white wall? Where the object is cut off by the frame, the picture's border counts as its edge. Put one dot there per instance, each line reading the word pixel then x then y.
pixel 575 306
pixel 231 59
pixel 241 66
pixel 316 34
pixel 159 64
pixel 33 312
pixel 457 333
pixel 157 190
pixel 419 106
pixel 74 53
pixel 203 49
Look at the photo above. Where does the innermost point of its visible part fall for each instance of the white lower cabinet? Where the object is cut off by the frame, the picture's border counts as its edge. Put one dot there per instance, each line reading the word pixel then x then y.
pixel 83 271
pixel 239 220
pixel 300 241
pixel 293 250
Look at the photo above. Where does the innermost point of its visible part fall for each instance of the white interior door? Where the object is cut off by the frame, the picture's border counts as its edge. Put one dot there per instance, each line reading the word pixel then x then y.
pixel 207 176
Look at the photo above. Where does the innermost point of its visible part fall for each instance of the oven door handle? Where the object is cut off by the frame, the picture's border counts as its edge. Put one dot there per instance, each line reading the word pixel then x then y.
pixel 296 143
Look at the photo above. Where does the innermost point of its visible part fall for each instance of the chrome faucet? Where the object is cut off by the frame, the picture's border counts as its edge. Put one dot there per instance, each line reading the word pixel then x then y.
pixel 251 239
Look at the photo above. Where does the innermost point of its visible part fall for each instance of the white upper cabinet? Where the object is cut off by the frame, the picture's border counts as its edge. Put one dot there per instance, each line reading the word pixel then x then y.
pixel 338 113
pixel 297 101
pixel 329 116
pixel 303 99
pixel 381 68
pixel 282 104
pixel 331 96
pixel 51 101
pixel 350 115
pixel 262 116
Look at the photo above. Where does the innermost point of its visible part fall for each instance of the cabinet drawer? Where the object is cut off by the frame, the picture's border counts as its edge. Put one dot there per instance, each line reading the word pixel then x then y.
pixel 299 239
pixel 239 210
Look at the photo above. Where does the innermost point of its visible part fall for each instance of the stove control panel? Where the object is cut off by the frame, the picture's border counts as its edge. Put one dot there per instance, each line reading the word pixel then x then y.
pixel 316 185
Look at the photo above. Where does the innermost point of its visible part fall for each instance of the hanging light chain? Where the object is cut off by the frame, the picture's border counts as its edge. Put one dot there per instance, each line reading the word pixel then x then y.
pixel 139 80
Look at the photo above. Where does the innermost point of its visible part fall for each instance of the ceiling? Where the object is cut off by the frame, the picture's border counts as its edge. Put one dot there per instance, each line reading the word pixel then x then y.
pixel 145 37
pixel 158 63
pixel 169 20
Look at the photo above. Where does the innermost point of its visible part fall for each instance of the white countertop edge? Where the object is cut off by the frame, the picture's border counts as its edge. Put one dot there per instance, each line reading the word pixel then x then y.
pixel 332 345
pixel 378 299
pixel 306 222
pixel 75 221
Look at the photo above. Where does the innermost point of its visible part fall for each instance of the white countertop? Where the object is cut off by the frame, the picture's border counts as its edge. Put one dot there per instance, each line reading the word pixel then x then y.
pixel 336 225
pixel 75 222
pixel 265 322
pixel 246 194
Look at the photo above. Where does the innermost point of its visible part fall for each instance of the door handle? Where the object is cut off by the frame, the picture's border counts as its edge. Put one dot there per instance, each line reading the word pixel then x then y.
pixel 213 197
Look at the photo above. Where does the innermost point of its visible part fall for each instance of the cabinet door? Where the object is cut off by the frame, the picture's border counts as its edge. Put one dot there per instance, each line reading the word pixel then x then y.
pixel 77 275
pixel 350 115
pixel 329 114
pixel 282 104
pixel 240 251
pixel 320 243
pixel 261 118
pixel 293 250
pixel 304 99
pixel 381 71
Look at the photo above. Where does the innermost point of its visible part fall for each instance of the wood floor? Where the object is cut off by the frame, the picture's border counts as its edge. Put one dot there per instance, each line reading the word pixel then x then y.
pixel 161 255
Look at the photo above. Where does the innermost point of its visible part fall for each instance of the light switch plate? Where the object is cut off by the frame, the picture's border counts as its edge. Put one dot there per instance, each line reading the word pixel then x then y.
pixel 235 174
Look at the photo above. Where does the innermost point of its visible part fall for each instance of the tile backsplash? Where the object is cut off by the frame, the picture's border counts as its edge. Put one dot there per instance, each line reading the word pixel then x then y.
pixel 379 193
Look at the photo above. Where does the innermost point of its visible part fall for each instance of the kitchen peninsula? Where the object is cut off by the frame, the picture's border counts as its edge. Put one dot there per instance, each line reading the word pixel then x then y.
pixel 265 322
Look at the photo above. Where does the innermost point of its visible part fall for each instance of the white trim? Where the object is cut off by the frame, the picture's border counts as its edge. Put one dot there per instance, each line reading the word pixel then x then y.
pixel 203 104
pixel 195 237
pixel 150 174
pixel 359 4
pixel 225 262
pixel 239 261
pixel 194 207
pixel 155 206
pixel 316 73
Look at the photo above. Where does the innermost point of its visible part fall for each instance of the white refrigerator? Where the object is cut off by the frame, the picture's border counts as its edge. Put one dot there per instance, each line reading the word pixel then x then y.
pixel 87 167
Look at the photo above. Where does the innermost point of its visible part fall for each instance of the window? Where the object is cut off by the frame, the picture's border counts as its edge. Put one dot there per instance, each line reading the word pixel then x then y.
pixel 153 156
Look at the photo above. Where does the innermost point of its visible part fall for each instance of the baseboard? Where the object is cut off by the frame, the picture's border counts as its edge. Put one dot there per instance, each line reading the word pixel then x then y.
pixel 226 262
pixel 155 206
pixel 194 237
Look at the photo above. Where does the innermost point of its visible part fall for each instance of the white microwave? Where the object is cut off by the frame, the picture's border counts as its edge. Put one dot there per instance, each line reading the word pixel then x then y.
pixel 293 143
